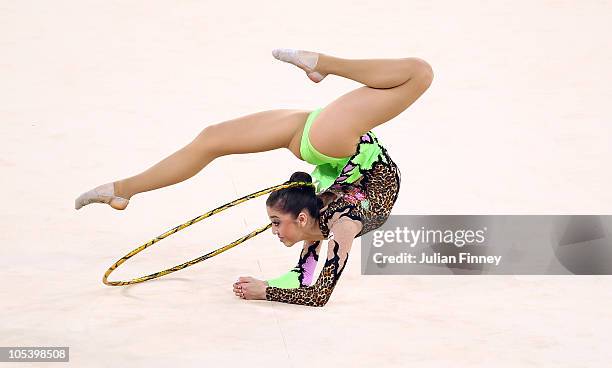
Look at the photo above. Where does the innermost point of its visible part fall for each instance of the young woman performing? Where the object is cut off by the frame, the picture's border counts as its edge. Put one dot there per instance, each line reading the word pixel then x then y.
pixel 356 181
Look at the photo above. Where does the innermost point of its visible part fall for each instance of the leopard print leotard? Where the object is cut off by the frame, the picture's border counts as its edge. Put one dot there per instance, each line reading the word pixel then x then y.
pixel 368 200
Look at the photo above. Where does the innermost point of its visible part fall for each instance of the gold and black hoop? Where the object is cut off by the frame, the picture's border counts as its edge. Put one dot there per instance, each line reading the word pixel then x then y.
pixel 189 223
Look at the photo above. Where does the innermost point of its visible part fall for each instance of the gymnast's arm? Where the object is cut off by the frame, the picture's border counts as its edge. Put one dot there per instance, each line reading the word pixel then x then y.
pixel 318 294
pixel 302 274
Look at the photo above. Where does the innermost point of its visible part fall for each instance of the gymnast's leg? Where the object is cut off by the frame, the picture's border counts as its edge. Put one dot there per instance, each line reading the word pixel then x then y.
pixel 258 132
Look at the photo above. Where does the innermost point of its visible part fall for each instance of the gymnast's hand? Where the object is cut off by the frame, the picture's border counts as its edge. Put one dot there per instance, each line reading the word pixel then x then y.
pixel 250 288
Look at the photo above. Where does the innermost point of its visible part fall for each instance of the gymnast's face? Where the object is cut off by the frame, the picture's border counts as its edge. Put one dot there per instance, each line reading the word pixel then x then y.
pixel 289 230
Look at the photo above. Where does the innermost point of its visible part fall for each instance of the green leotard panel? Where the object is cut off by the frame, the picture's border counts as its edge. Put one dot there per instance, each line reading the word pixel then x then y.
pixel 328 169
pixel 290 280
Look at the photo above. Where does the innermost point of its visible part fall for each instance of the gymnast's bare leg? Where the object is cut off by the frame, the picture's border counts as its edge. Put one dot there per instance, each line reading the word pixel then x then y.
pixel 258 132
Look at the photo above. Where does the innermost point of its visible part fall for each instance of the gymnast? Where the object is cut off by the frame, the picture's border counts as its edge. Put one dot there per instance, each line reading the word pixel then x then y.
pixel 356 183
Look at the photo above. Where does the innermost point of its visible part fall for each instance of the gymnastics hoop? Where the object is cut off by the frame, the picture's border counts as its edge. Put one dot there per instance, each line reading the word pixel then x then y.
pixel 189 223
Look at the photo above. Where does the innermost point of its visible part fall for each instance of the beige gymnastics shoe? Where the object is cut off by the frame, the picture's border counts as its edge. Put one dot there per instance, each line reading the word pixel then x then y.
pixel 305 60
pixel 104 193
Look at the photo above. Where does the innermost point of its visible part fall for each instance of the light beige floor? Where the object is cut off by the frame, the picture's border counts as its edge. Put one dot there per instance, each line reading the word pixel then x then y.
pixel 517 121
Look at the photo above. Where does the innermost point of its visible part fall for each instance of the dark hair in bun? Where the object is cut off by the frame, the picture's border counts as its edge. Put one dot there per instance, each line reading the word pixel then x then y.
pixel 293 200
